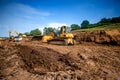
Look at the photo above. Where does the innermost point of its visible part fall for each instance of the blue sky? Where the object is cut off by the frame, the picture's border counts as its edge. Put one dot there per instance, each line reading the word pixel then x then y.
pixel 26 15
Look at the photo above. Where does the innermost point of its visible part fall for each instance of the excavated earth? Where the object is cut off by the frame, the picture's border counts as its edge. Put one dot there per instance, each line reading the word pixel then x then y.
pixel 96 59
pixel 107 37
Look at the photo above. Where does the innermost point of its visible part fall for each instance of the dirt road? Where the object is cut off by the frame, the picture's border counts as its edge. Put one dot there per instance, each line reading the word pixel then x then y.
pixel 36 61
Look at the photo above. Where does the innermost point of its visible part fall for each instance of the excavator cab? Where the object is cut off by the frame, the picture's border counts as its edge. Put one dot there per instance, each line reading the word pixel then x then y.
pixel 62 30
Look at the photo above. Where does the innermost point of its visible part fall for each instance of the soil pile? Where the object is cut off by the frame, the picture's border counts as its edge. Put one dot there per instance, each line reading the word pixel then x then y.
pixel 8 59
pixel 111 37
pixel 41 60
pixel 34 60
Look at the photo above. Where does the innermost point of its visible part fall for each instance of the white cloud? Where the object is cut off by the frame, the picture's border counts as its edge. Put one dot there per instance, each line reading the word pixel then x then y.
pixel 56 25
pixel 26 11
pixel 53 25
pixel 31 10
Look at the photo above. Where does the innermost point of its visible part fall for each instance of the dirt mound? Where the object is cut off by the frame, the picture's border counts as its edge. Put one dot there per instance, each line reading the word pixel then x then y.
pixel 33 61
pixel 8 59
pixel 111 37
pixel 41 60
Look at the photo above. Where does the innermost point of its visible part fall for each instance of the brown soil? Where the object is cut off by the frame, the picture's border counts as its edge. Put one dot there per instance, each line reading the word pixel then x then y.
pixel 34 60
pixel 108 37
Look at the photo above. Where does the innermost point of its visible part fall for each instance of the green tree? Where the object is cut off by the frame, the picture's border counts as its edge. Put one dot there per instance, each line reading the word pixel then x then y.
pixel 27 33
pixel 103 20
pixel 115 20
pixel 35 32
pixel 75 26
pixel 47 30
pixel 85 24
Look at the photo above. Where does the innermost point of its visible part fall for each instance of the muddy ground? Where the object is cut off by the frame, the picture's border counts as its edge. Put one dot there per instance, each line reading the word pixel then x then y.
pixel 33 60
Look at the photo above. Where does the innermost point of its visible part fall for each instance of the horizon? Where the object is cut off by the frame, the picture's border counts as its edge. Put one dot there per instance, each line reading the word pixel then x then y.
pixel 26 15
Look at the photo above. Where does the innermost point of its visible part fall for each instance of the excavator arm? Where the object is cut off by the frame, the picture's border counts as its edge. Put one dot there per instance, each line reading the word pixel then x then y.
pixel 13 38
pixel 12 32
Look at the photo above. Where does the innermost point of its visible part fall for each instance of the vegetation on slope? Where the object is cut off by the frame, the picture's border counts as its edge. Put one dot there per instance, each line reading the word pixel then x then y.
pixel 103 27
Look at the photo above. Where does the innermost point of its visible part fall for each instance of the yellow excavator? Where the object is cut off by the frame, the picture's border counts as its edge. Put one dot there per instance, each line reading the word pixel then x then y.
pixel 1 39
pixel 61 36
pixel 15 38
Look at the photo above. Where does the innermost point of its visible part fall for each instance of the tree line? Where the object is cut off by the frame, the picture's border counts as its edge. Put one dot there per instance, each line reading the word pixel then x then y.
pixel 34 32
pixel 85 24
pixel 104 21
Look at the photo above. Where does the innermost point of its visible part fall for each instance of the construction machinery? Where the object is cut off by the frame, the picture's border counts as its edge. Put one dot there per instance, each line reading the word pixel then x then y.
pixel 61 36
pixel 1 39
pixel 15 38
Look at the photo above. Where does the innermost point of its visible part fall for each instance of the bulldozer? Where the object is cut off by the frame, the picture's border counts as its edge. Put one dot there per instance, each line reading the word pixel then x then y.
pixel 61 36
pixel 15 38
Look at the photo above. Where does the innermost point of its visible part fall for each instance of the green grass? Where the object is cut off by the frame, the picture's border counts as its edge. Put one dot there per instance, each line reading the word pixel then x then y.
pixel 104 27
